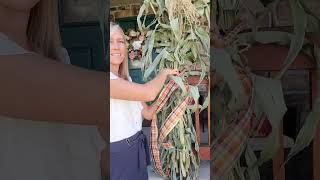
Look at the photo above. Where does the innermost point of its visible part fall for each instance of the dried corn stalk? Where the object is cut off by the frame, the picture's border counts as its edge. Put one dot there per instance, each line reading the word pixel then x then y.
pixel 227 92
pixel 179 39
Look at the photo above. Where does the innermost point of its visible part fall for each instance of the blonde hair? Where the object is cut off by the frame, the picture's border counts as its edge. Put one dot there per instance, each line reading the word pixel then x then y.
pixel 43 30
pixel 123 69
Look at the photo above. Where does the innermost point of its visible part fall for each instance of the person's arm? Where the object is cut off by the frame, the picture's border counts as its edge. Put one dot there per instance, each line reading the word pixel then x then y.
pixel 36 88
pixel 148 111
pixel 126 90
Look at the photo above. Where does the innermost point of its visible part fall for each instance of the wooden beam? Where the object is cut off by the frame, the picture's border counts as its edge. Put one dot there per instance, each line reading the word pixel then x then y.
pixel 270 57
pixel 204 152
pixel 193 80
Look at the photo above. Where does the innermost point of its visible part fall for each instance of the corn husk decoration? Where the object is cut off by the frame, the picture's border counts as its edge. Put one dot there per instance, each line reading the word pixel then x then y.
pixel 177 38
pixel 230 89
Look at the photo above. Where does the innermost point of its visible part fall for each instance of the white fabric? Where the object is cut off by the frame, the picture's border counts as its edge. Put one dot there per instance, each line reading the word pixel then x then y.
pixel 8 47
pixel 34 150
pixel 125 117
pixel 64 56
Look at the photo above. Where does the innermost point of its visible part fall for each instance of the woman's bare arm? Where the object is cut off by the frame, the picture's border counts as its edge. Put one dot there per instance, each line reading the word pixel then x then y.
pixel 126 90
pixel 37 88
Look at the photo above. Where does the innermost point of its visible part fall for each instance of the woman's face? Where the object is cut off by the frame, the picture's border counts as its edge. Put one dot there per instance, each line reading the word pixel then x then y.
pixel 19 5
pixel 117 47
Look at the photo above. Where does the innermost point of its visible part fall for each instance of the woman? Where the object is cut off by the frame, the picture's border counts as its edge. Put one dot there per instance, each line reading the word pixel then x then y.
pixel 128 158
pixel 49 111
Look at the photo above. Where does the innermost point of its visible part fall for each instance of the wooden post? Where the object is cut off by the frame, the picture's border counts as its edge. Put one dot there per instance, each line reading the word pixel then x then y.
pixel 316 140
pixel 316 155
pixel 204 150
pixel 278 159
pixel 197 118
pixel 209 120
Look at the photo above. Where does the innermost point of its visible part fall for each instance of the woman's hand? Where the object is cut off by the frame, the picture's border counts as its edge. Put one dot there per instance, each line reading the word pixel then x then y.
pixel 140 92
pixel 148 111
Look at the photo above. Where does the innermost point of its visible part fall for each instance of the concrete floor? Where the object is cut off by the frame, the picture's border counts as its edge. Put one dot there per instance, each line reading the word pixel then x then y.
pixel 204 173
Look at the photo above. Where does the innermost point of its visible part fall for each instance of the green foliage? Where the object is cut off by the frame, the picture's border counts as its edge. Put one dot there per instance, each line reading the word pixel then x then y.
pixel 268 96
pixel 177 42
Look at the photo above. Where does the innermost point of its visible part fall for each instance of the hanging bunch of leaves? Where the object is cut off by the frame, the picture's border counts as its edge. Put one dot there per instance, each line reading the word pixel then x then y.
pixel 232 72
pixel 177 38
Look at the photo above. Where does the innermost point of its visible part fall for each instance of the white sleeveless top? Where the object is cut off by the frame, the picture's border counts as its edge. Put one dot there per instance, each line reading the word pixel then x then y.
pixel 125 117
pixel 34 150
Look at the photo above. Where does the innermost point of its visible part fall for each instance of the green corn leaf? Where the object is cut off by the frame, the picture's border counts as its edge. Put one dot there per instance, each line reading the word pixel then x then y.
pixel 252 171
pixel 194 51
pixel 206 102
pixel 200 10
pixel 191 36
pixel 161 6
pixel 239 171
pixel 308 10
pixel 300 23
pixel 169 57
pixel 194 93
pixel 253 6
pixel 176 54
pixel 268 94
pixel 308 130
pixel 141 11
pixel 179 81
pixel 154 64
pixel 224 67
pixel 203 72
pixel 174 23
pixel 164 26
pixel 269 8
pixel 151 24
pixel 204 38
pixel 219 109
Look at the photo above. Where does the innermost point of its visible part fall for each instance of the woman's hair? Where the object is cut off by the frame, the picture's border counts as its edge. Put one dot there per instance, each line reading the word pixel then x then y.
pixel 123 69
pixel 43 29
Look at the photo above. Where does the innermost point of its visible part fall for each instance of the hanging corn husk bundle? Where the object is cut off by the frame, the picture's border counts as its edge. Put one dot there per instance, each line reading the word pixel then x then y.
pixel 268 95
pixel 179 39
